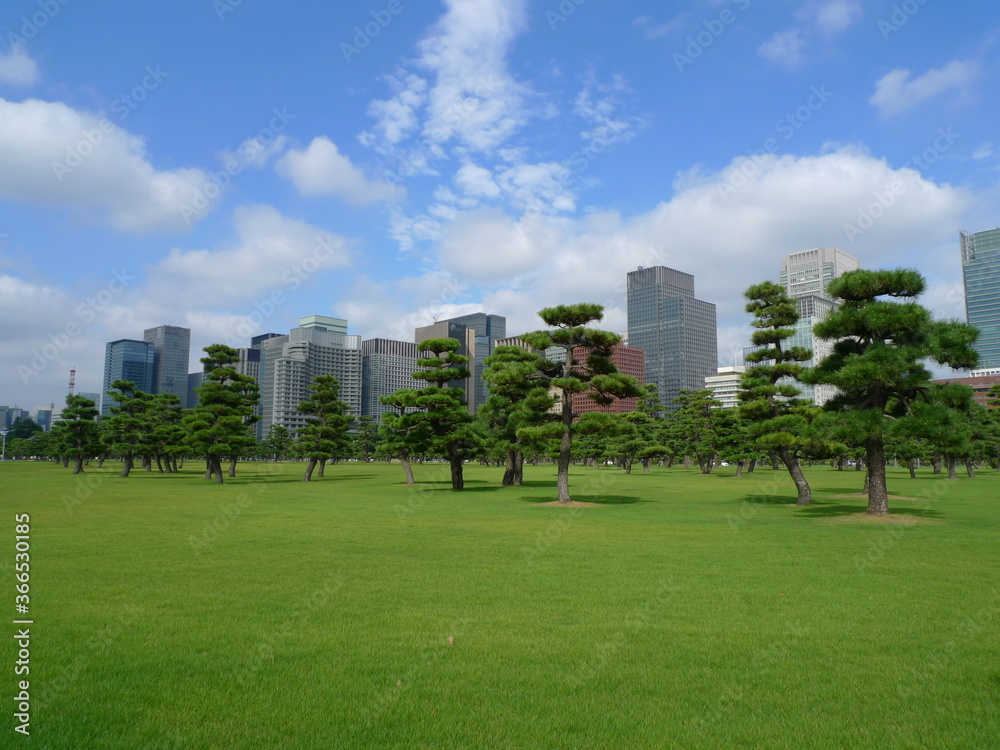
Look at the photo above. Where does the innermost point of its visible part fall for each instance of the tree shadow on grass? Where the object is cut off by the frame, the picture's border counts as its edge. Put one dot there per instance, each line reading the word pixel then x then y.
pixel 599 500
pixel 834 510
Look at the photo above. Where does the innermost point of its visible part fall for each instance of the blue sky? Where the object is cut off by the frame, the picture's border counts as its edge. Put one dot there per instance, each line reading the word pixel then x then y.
pixel 232 166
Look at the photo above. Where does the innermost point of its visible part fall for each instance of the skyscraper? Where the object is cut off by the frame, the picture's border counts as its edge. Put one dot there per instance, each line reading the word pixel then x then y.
pixel 386 366
pixel 171 353
pixel 981 275
pixel 675 330
pixel 127 359
pixel 477 335
pixel 806 276
pixel 810 272
pixel 319 346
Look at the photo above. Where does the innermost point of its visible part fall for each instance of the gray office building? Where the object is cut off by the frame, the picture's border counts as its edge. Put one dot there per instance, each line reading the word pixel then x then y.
pixel 477 335
pixel 288 364
pixel 386 366
pixel 676 331
pixel 981 277
pixel 171 354
pixel 127 359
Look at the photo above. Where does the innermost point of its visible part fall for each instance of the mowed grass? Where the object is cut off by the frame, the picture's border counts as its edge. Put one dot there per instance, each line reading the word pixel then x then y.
pixel 684 612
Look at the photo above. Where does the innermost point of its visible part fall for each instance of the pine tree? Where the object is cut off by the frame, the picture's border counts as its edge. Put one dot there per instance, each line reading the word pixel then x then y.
pixel 326 434
pixel 877 360
pixel 597 376
pixel 77 434
pixel 775 415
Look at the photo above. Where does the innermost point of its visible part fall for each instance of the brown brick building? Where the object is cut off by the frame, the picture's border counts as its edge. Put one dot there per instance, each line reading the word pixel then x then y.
pixel 629 361
pixel 980 384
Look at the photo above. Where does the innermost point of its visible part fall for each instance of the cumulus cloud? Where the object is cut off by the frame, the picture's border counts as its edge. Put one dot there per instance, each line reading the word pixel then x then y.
pixel 54 155
pixel 729 228
pixel 899 90
pixel 270 251
pixel 321 169
pixel 17 68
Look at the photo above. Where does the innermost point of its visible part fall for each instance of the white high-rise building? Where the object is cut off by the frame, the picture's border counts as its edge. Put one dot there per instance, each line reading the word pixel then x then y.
pixel 810 272
pixel 319 346
pixel 725 386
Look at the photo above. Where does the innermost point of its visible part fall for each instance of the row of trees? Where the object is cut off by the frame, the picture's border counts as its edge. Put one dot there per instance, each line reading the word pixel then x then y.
pixel 887 405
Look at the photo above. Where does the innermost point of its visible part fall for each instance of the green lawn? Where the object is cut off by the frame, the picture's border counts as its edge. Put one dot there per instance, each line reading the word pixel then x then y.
pixel 685 612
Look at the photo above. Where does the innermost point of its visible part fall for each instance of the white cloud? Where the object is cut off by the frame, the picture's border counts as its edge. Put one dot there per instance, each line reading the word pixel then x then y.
pixel 56 156
pixel 476 181
pixel 727 238
pixel 899 90
pixel 255 153
pixel 784 48
pixel 469 97
pixel 835 16
pixel 397 118
pixel 17 68
pixel 270 251
pixel 322 170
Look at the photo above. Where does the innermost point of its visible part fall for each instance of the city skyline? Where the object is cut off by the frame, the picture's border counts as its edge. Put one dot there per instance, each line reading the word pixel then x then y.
pixel 466 155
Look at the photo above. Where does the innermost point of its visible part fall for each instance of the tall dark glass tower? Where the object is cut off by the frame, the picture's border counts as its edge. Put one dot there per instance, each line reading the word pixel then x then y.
pixel 171 352
pixel 676 331
pixel 127 359
pixel 981 274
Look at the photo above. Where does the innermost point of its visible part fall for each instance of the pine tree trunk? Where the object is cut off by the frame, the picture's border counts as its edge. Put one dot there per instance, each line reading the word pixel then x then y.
pixel 78 467
pixel 457 480
pixel 518 468
pixel 912 465
pixel 795 471
pixel 175 464
pixel 307 477
pixel 752 466
pixel 218 470
pixel 509 469
pixel 950 461
pixel 707 463
pixel 774 461
pixel 100 461
pixel 739 468
pixel 936 463
pixel 878 493
pixel 209 468
pixel 126 465
pixel 159 463
pixel 969 470
pixel 322 467
pixel 65 461
pixel 562 471
pixel 645 466
pixel 408 469
pixel 232 466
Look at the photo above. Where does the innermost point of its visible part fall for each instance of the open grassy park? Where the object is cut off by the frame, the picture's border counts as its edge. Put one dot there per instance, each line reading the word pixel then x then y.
pixel 681 611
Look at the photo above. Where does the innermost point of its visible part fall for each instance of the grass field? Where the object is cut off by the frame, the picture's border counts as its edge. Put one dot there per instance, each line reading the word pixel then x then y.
pixel 354 612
